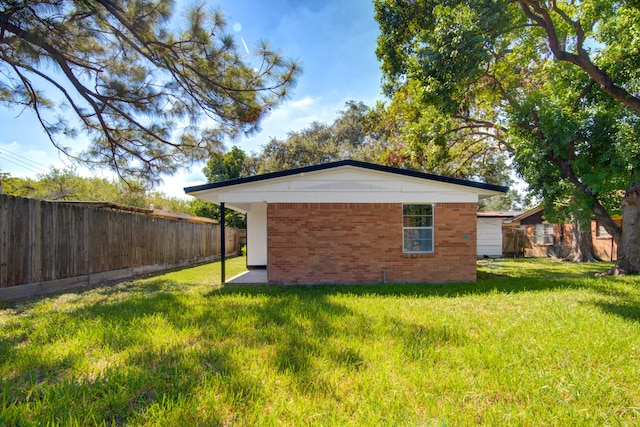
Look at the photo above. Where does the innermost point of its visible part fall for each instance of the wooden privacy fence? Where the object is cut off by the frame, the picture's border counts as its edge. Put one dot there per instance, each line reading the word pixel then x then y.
pixel 49 246
pixel 513 241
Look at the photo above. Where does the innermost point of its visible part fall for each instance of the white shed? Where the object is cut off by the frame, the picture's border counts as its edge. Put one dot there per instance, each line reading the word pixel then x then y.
pixel 490 233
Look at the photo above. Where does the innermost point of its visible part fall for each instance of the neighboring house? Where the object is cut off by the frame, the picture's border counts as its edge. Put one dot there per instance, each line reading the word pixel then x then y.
pixel 543 239
pixel 490 233
pixel 355 222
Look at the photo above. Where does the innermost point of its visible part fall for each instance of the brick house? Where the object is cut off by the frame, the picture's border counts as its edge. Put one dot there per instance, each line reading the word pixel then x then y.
pixel 356 222
pixel 545 239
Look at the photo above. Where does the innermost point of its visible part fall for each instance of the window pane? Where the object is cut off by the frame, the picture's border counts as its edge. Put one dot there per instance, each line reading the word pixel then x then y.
pixel 418 240
pixel 418 210
pixel 418 233
pixel 602 232
pixel 548 234
pixel 544 234
pixel 417 216
pixel 418 221
pixel 539 234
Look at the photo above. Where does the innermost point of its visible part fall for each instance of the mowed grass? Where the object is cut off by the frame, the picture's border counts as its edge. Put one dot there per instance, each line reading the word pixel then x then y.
pixel 533 342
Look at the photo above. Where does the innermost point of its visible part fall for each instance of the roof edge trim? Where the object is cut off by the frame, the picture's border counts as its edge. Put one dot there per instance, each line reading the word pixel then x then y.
pixel 341 163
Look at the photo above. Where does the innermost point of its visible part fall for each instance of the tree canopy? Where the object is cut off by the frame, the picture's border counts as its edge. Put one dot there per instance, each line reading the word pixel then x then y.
pixel 554 82
pixel 230 165
pixel 152 96
pixel 400 134
pixel 421 137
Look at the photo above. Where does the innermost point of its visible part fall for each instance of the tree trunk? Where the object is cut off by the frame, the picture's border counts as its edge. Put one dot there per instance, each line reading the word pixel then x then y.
pixel 627 236
pixel 582 243
pixel 629 247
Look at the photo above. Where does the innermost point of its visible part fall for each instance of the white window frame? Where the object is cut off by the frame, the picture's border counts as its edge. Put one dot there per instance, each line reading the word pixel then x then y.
pixel 602 232
pixel 544 234
pixel 405 228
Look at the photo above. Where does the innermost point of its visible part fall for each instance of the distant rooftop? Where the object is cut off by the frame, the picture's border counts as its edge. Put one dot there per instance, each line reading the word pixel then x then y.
pixel 151 211
pixel 499 214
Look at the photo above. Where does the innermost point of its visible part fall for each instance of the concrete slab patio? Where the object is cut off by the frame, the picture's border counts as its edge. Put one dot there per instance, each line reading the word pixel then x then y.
pixel 249 277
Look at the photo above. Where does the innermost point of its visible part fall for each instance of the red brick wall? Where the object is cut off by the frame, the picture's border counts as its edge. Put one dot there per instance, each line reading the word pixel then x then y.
pixel 560 248
pixel 603 247
pixel 351 242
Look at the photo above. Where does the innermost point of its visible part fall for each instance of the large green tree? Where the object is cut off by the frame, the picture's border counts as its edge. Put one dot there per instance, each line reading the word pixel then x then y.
pixel 152 95
pixel 554 81
pixel 572 144
pixel 400 134
pixel 230 165
pixel 420 137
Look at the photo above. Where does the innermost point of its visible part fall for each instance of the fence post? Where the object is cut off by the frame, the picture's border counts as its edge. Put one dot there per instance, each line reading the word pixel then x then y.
pixel 222 243
pixel 87 249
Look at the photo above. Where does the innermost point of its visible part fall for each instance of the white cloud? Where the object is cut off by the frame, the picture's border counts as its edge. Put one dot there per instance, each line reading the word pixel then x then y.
pixel 307 101
pixel 173 186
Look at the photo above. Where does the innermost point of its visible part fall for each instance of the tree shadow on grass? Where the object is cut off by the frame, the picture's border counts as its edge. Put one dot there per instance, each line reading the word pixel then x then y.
pixel 129 365
pixel 629 310
pixel 539 279
pixel 310 332
pixel 614 294
pixel 487 283
pixel 297 327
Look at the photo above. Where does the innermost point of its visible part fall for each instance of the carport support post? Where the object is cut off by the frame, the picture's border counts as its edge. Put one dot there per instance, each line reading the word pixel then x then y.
pixel 222 243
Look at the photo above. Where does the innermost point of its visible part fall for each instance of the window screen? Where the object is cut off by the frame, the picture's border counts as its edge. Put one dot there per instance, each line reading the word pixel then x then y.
pixel 417 224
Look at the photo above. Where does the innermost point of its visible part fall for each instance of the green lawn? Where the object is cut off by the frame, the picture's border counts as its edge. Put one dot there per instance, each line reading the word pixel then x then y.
pixel 533 342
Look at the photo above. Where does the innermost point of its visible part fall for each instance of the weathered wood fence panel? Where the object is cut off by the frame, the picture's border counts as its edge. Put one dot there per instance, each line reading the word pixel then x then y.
pixel 47 241
pixel 513 241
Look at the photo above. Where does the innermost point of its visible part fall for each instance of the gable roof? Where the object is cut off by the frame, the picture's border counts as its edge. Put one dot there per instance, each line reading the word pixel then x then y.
pixel 499 214
pixel 342 163
pixel 526 214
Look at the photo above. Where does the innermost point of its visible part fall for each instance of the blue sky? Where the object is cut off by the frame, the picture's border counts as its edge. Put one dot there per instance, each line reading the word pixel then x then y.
pixel 334 40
